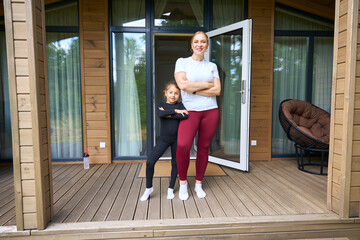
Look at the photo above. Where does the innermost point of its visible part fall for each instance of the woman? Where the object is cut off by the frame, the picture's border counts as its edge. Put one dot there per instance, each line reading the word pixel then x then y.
pixel 199 82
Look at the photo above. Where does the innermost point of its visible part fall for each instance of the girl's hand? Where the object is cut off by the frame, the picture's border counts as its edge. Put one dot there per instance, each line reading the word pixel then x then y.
pixel 182 112
pixel 161 108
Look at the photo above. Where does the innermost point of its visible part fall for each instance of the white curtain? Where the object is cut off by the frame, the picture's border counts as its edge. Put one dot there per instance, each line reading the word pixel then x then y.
pixel 125 11
pixel 159 8
pixel 198 9
pixel 290 55
pixel 64 15
pixel 322 74
pixel 128 136
pixel 63 66
pixel 226 12
pixel 5 119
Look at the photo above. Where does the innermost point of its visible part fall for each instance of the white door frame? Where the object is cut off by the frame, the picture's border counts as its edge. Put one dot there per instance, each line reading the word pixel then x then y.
pixel 246 25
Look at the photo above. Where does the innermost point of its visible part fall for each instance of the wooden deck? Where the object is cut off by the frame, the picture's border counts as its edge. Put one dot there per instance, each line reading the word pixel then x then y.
pixel 111 193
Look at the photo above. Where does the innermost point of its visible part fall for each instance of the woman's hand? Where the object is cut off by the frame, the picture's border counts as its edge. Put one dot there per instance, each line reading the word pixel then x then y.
pixel 161 109
pixel 189 86
pixel 182 112
pixel 213 91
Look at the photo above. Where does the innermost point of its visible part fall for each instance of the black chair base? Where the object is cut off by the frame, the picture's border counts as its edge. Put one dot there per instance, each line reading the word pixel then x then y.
pixel 302 153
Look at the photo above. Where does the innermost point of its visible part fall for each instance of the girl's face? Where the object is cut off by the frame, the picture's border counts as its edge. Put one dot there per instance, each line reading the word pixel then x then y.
pixel 199 44
pixel 172 94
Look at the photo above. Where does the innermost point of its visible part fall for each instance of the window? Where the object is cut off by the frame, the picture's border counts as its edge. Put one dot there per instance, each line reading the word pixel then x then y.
pixel 303 49
pixel 63 67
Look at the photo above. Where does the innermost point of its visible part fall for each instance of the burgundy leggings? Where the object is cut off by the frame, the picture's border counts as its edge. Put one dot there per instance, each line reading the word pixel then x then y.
pixel 204 122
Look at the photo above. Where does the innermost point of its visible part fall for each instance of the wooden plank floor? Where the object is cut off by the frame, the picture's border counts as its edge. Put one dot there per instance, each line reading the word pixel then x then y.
pixel 111 192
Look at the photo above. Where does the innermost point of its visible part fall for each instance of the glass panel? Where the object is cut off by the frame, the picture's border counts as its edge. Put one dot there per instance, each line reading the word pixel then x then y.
pixel 290 56
pixel 226 12
pixel 128 13
pixel 62 15
pixel 63 67
pixel 5 119
pixel 285 20
pixel 226 52
pixel 129 91
pixel 322 73
pixel 179 13
pixel 167 50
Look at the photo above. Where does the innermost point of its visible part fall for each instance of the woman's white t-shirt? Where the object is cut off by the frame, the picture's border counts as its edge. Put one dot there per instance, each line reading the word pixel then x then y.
pixel 197 71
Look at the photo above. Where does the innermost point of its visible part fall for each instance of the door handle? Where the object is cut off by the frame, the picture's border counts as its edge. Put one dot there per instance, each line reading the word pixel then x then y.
pixel 243 93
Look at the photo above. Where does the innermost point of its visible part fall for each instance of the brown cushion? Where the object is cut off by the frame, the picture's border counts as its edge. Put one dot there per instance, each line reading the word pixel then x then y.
pixel 308 118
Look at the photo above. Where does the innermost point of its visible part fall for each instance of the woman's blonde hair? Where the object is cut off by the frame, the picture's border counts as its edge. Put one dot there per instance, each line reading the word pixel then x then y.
pixel 200 32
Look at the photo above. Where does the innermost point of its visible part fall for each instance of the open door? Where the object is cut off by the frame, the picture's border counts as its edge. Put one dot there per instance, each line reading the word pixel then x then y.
pixel 230 49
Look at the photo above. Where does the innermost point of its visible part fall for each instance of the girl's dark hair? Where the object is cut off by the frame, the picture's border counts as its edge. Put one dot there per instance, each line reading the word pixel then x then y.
pixel 169 84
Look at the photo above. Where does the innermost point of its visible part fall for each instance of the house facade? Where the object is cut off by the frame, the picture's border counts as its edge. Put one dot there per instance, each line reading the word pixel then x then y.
pixel 85 76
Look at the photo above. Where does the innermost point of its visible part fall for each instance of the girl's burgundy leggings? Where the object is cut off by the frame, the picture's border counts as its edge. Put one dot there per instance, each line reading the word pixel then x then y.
pixel 205 123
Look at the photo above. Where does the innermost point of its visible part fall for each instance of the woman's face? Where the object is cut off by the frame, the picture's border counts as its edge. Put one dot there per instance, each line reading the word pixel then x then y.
pixel 199 44
pixel 172 94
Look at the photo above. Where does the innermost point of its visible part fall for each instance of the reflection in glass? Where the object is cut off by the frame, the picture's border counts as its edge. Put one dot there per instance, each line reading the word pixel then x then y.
pixel 226 52
pixel 322 72
pixel 226 12
pixel 65 14
pixel 128 13
pixel 290 56
pixel 179 13
pixel 5 119
pixel 129 91
pixel 63 67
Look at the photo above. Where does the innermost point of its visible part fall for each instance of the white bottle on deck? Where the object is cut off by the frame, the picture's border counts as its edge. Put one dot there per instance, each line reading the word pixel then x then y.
pixel 86 160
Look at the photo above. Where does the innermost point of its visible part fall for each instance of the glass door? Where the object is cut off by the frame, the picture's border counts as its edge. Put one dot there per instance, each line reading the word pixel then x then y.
pixel 230 49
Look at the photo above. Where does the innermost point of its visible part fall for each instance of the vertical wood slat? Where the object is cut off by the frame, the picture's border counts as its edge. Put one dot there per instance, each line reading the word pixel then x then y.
pixel 95 31
pixel 14 114
pixel 332 117
pixel 262 77
pixel 349 91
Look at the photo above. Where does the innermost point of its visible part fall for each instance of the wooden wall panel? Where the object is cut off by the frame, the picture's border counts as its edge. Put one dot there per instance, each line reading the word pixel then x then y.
pixel 94 45
pixel 25 35
pixel 344 168
pixel 262 13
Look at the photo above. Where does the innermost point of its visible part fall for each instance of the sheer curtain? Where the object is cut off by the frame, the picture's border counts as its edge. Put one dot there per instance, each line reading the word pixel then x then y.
pixel 128 137
pixel 159 8
pixel 226 12
pixel 322 74
pixel 128 12
pixel 64 15
pixel 290 55
pixel 198 8
pixel 5 119
pixel 63 66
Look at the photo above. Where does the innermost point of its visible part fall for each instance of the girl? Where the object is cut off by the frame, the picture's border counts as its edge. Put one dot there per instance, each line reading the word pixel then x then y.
pixel 169 113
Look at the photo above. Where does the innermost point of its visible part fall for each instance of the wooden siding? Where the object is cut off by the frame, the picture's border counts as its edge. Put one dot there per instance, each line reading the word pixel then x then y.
pixel 25 34
pixel 94 48
pixel 262 13
pixel 344 172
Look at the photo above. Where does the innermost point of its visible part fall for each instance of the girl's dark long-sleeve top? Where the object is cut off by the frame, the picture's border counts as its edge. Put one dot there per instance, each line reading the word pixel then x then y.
pixel 169 119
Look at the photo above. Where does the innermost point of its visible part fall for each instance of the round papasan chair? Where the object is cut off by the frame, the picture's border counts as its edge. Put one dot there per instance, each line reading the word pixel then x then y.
pixel 308 126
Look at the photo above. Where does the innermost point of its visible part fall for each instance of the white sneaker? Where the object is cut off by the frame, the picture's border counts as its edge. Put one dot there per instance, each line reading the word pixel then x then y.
pixel 146 194
pixel 183 192
pixel 170 193
pixel 199 191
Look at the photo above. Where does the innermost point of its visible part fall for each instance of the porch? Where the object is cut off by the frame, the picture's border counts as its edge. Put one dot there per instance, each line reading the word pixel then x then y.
pixel 274 196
